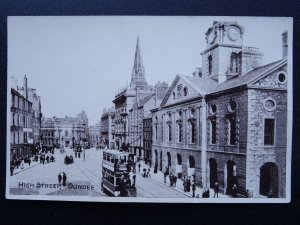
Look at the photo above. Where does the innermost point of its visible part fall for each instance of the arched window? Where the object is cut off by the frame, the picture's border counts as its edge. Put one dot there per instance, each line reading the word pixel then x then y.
pixel 213 131
pixel 155 133
pixel 169 133
pixel 231 126
pixel 180 132
pixel 209 65
pixel 193 131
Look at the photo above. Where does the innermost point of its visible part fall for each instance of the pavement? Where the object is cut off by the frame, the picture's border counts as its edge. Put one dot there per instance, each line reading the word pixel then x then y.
pixel 159 177
pixel 39 179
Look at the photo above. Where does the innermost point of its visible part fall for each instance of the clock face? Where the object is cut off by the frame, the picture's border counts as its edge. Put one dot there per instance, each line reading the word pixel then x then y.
pixel 211 38
pixel 233 34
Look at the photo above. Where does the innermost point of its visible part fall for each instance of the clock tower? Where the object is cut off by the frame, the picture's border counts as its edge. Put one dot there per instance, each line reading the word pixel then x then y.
pixel 222 57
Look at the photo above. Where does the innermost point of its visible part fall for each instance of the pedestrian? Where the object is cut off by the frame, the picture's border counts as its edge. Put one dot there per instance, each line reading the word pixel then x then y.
pixel 12 169
pixel 248 194
pixel 148 173
pixel 194 188
pixel 64 178
pixel 216 189
pixel 134 176
pixel 131 178
pixel 150 163
pixel 205 193
pixel 234 191
pixel 47 158
pixel 144 172
pixel 175 180
pixel 22 164
pixel 188 185
pixel 139 165
pixel 171 179
pixel 59 179
pixel 29 162
pixel 75 154
pixel 184 184
pixel 165 177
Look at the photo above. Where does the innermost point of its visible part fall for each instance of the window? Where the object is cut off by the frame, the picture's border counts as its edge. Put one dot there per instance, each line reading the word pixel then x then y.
pixel 209 65
pixel 180 132
pixel 155 133
pixel 185 91
pixel 269 131
pixel 282 77
pixel 179 89
pixel 231 131
pixel 169 133
pixel 193 131
pixel 213 109
pixel 232 105
pixel 234 63
pixel 174 95
pixel 213 131
pixel 270 104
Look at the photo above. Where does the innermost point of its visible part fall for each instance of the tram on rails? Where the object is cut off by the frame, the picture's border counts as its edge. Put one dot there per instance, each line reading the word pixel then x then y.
pixel 118 174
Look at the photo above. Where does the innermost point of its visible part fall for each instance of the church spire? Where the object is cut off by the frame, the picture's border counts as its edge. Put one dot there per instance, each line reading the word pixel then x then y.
pixel 138 70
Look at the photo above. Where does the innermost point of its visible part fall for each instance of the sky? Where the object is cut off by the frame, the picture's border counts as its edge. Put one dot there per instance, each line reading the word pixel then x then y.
pixel 79 63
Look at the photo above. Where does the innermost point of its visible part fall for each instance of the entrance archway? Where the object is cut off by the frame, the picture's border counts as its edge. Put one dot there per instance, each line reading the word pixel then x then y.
pixel 269 179
pixel 231 174
pixel 191 165
pixel 179 165
pixel 169 159
pixel 213 172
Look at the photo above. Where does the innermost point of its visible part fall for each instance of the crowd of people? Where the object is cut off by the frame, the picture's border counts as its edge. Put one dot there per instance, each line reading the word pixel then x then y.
pixel 42 155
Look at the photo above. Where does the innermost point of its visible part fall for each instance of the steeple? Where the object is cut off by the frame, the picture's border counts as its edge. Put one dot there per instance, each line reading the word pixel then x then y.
pixel 138 70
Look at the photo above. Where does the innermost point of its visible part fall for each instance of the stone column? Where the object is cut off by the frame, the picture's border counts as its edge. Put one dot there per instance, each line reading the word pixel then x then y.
pixel 203 142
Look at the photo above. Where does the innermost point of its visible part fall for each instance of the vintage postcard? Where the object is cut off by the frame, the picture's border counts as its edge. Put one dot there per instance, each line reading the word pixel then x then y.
pixel 149 109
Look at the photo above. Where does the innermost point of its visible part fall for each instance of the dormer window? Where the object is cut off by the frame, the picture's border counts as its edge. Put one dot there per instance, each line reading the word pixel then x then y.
pixel 185 91
pixel 179 90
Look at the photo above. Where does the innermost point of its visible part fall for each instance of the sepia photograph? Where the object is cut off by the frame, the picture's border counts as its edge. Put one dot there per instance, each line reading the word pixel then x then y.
pixel 170 109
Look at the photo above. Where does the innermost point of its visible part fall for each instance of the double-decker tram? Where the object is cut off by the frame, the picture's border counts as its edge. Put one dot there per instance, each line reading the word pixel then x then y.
pixel 118 173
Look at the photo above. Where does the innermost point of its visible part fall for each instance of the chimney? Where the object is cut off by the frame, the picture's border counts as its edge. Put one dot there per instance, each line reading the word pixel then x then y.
pixel 284 44
pixel 25 87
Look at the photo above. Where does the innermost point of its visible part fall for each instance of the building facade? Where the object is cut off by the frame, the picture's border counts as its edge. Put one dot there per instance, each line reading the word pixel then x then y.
pixel 142 109
pixel 68 131
pixel 128 132
pixel 21 132
pixel 31 95
pixel 94 135
pixel 107 130
pixel 228 122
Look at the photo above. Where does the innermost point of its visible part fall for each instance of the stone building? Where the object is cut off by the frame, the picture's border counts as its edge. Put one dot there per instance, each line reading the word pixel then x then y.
pixel 94 135
pixel 31 95
pixel 68 131
pixel 228 122
pixel 125 99
pixel 21 132
pixel 48 134
pixel 107 131
pixel 139 111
